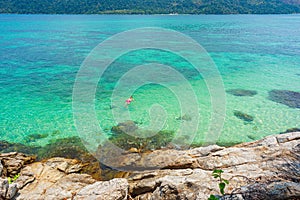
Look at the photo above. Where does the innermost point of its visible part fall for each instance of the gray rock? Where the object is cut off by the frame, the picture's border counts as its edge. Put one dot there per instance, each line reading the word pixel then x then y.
pixel 282 138
pixel 25 178
pixel 12 191
pixel 3 187
pixel 1 168
pixel 115 189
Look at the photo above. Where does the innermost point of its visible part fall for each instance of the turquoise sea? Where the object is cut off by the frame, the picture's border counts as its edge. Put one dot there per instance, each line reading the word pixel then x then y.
pixel 40 56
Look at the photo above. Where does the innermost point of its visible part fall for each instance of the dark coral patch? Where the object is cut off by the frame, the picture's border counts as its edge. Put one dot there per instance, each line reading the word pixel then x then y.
pixel 286 97
pixel 243 116
pixel 34 137
pixel 241 92
pixel 124 136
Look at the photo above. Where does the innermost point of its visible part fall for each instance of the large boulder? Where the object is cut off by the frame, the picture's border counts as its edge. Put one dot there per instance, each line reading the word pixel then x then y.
pixel 56 178
pixel 13 163
pixel 115 189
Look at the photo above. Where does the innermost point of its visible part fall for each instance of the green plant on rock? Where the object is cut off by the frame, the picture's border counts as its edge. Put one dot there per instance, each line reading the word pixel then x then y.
pixel 11 180
pixel 217 173
pixel 213 197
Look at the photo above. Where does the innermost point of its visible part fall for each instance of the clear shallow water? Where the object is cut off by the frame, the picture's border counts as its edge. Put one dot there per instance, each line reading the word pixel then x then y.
pixel 41 54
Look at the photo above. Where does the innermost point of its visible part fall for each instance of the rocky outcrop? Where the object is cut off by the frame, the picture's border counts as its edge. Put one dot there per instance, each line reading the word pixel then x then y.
pixel 116 189
pixel 56 178
pixel 12 163
pixel 265 169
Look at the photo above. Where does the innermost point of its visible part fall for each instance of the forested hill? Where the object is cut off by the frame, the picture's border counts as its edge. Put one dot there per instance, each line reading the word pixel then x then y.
pixel 150 6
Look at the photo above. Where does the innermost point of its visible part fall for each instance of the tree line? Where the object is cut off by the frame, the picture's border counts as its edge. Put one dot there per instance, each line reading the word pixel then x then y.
pixel 149 6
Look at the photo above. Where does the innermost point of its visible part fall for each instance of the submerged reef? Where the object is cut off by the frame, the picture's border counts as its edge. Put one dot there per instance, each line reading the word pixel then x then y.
pixel 128 137
pixel 185 117
pixel 241 92
pixel 124 127
pixel 286 97
pixel 34 137
pixel 243 116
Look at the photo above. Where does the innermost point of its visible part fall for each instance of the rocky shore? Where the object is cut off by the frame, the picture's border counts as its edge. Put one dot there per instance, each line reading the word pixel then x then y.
pixel 264 169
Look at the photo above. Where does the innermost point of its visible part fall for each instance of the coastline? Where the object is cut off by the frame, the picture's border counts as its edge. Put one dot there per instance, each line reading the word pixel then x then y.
pixel 265 167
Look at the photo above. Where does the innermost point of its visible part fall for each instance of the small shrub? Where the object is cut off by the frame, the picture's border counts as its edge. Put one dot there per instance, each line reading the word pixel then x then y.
pixel 217 173
pixel 11 180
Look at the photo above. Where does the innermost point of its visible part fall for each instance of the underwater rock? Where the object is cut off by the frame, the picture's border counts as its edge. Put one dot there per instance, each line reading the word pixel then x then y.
pixel 56 132
pixel 243 116
pixel 124 127
pixel 241 92
pixel 286 97
pixel 146 142
pixel 251 137
pixel 34 137
pixel 290 130
pixel 71 147
pixel 185 117
pixel 113 106
pixel 6 147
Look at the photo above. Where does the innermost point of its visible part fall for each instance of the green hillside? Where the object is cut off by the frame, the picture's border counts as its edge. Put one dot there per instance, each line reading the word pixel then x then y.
pixel 150 6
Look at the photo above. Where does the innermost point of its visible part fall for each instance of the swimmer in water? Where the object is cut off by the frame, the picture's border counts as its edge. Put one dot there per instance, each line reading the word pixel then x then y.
pixel 128 101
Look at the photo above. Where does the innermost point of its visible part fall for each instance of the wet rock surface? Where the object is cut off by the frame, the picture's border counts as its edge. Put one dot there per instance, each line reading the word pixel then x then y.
pixel 264 169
